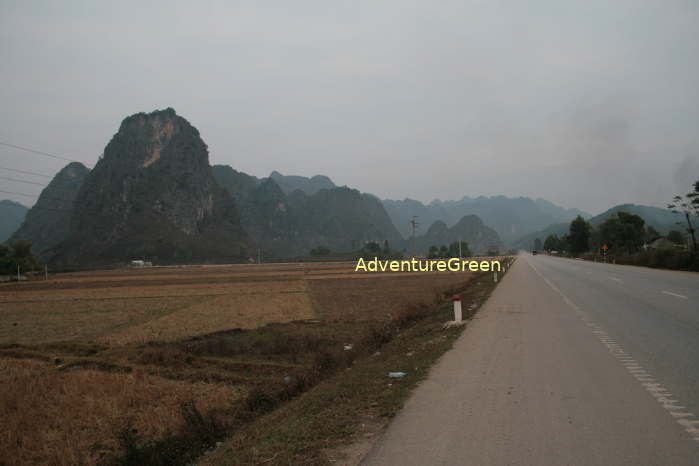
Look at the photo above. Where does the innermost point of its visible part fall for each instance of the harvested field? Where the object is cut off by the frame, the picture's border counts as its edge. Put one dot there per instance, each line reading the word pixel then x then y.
pixel 85 355
pixel 166 304
pixel 72 417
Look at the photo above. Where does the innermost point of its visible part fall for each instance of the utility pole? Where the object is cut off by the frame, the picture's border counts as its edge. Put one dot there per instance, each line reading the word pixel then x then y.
pixel 259 256
pixel 414 224
pixel 691 231
pixel 459 247
pixel 46 272
pixel 17 272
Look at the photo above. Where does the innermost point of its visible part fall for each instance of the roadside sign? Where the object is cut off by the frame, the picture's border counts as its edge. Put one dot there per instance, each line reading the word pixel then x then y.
pixel 605 247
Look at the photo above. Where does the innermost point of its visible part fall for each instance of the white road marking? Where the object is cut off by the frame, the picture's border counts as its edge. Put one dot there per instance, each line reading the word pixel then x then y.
pixel 615 279
pixel 674 294
pixel 646 380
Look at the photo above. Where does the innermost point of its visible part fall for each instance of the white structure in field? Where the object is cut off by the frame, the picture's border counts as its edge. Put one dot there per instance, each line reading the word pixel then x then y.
pixel 457 308
pixel 458 317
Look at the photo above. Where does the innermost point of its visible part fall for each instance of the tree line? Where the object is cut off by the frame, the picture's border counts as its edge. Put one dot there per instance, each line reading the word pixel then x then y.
pixel 626 234
pixel 455 249
pixel 18 254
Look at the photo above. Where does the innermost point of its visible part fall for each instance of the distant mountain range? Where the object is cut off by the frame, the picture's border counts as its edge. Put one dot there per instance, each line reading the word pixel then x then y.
pixel 153 195
pixel 479 237
pixel 11 217
pixel 310 186
pixel 662 220
pixel 306 215
pixel 510 217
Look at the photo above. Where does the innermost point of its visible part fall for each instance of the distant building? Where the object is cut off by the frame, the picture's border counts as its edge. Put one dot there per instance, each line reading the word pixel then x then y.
pixel 12 278
pixel 138 263
pixel 660 243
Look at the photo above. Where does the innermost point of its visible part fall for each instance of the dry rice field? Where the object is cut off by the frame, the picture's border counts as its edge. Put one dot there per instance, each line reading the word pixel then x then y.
pixel 85 357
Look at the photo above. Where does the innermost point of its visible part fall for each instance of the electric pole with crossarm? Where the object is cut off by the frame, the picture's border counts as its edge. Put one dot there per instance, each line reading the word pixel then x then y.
pixel 414 224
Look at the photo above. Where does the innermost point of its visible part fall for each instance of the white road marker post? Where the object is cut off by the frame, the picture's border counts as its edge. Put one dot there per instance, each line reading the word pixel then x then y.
pixel 457 308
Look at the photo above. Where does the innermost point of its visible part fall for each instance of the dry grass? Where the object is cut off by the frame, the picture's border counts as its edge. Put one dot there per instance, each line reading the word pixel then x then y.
pixel 243 311
pixel 126 312
pixel 381 296
pixel 46 321
pixel 71 417
pixel 132 306
pixel 134 345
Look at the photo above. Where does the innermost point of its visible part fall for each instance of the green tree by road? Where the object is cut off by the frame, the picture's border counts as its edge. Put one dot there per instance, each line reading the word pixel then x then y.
pixel 579 236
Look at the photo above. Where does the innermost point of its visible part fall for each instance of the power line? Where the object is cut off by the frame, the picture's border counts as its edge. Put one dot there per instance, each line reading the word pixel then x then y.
pixel 38 152
pixel 19 194
pixel 63 211
pixel 20 181
pixel 37 195
pixel 88 211
pixel 26 172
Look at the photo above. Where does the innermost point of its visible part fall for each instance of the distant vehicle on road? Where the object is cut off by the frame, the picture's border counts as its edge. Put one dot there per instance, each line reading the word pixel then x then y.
pixel 534 252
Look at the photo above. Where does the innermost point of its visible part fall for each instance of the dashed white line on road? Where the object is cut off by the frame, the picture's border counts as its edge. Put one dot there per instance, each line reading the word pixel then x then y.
pixel 615 279
pixel 674 294
pixel 686 419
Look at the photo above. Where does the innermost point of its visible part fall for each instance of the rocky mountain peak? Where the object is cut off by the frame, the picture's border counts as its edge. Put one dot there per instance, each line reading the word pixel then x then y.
pixel 162 136
pixel 153 194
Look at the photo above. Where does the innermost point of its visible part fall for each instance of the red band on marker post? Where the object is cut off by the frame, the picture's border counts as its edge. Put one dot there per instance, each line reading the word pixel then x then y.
pixel 457 298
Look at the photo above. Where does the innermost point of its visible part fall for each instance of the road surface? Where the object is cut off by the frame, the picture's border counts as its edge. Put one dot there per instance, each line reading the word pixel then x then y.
pixel 568 363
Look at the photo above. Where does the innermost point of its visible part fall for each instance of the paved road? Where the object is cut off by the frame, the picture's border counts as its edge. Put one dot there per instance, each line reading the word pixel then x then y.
pixel 568 363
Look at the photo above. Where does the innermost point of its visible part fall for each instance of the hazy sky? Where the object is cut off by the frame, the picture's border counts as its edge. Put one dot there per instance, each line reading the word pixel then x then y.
pixel 586 103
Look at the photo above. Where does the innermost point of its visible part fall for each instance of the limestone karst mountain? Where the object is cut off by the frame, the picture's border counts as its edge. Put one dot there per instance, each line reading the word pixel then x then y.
pixel 48 222
pixel 511 217
pixel 285 225
pixel 470 228
pixel 153 195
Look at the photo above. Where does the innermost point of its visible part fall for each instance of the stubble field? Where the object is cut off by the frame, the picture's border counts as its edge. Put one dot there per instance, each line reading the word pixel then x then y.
pixel 109 367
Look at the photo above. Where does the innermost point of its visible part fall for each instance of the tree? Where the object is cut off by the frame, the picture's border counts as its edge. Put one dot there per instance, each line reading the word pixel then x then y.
pixel 6 259
pixel 433 252
pixel 651 233
pixel 688 205
pixel 320 251
pixel 371 249
pixel 623 231
pixel 454 249
pixel 579 235
pixel 553 243
pixel 22 249
pixel 537 244
pixel 18 255
pixel 676 237
pixel 443 251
